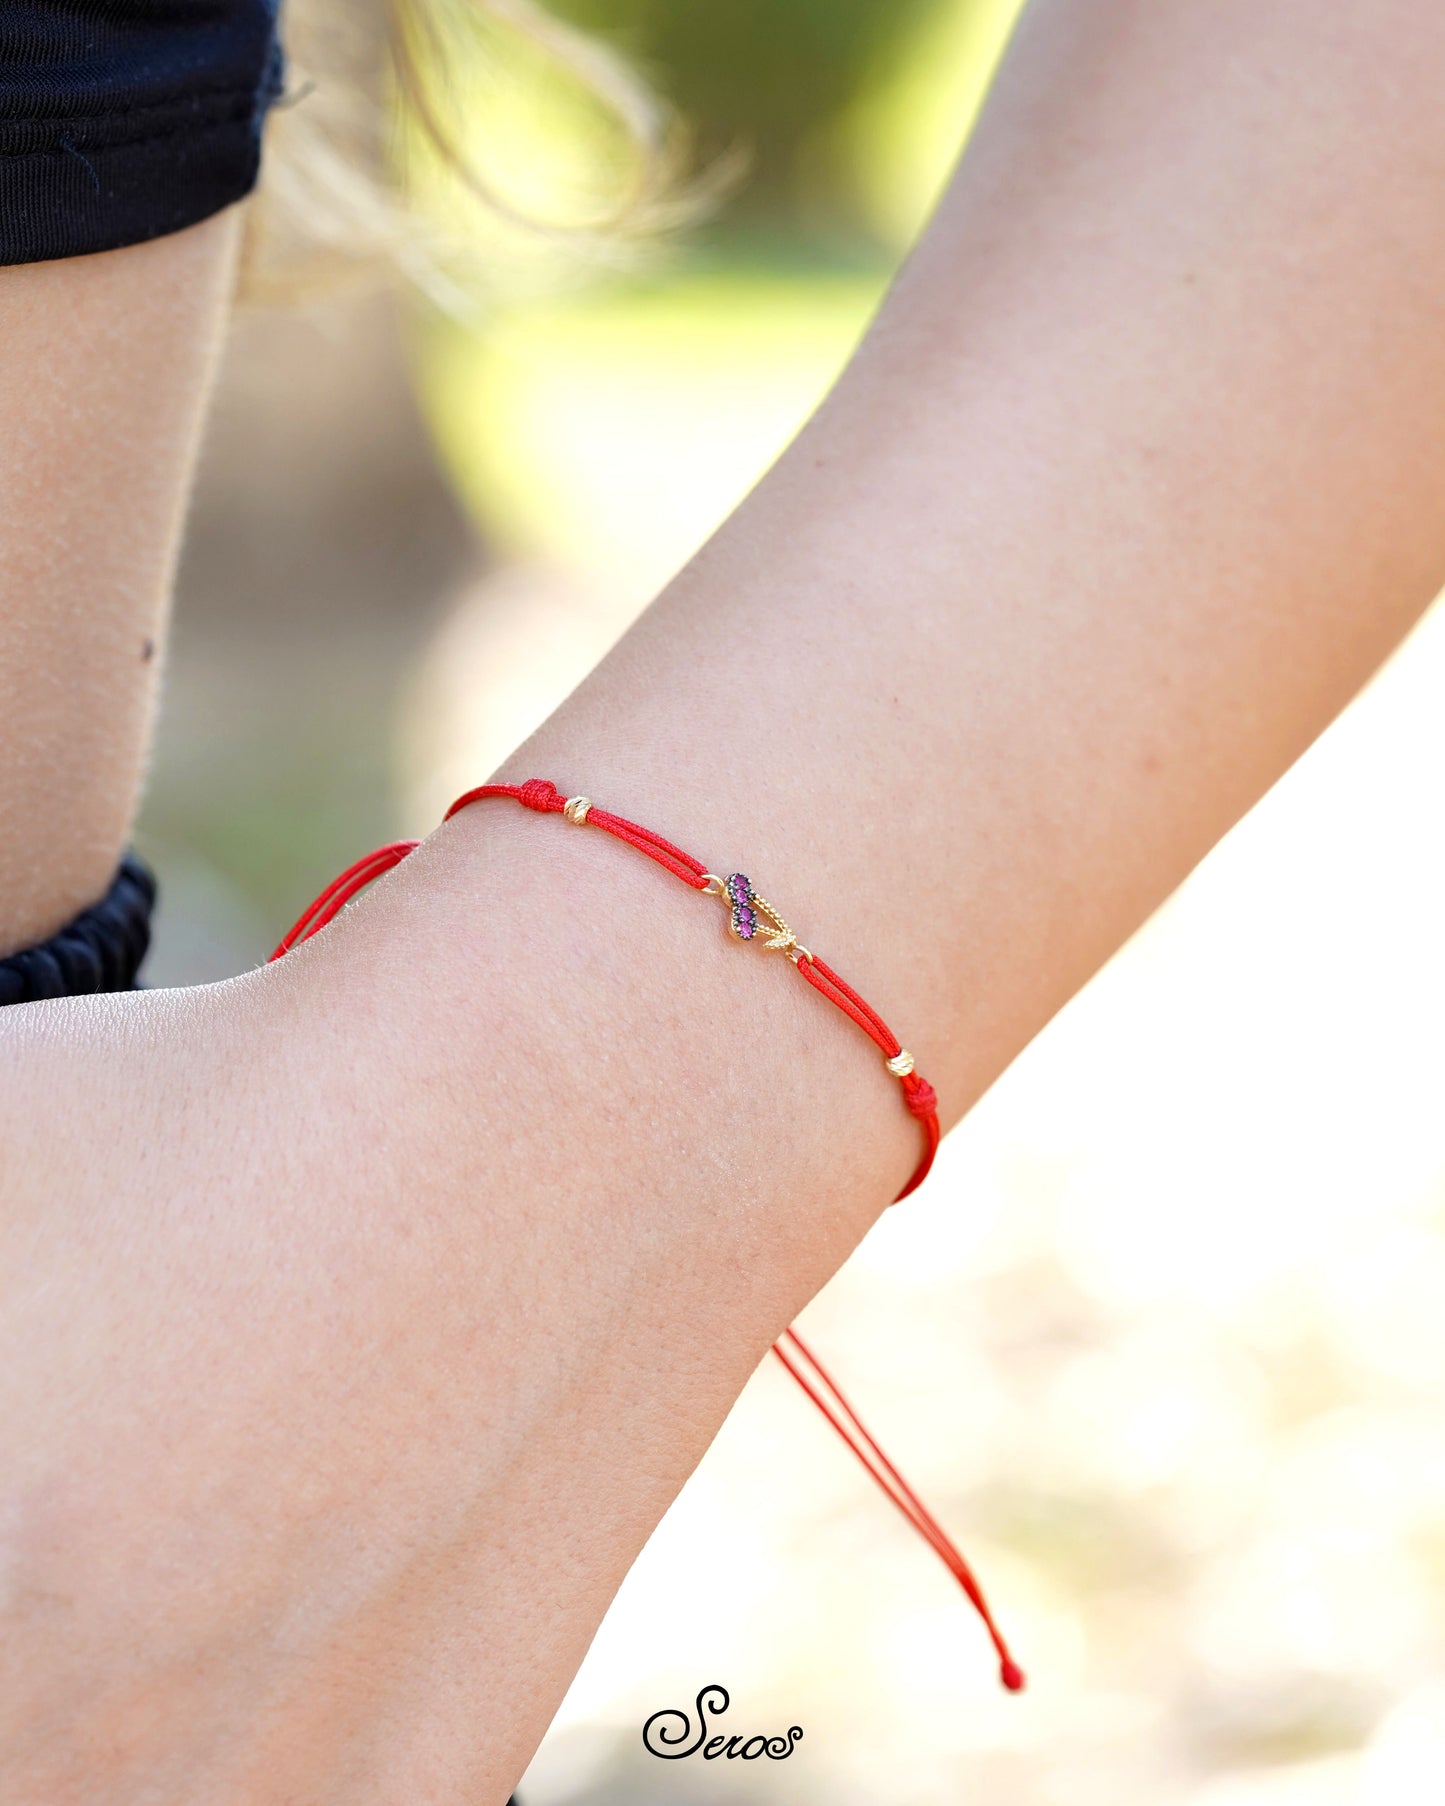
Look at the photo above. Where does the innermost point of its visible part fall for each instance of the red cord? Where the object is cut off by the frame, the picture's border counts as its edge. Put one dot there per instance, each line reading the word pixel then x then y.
pixel 846 1421
pixel 918 1095
pixel 546 799
pixel 341 890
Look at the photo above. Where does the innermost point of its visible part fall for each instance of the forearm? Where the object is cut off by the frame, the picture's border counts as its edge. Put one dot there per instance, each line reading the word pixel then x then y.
pixel 105 366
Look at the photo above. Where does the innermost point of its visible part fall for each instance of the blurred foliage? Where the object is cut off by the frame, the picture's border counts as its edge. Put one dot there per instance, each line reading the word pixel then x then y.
pixel 770 76
pixel 804 132
pixel 612 424
pixel 613 430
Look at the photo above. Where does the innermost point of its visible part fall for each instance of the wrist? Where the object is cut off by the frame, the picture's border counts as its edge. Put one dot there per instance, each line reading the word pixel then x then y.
pixel 548 1003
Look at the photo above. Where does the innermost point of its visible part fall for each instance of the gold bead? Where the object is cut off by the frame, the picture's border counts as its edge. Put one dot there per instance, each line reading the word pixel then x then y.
pixel 575 809
pixel 901 1064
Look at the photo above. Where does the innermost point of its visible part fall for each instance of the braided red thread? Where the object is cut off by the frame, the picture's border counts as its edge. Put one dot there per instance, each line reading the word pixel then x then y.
pixel 543 797
pixel 922 1100
pixel 538 794
pixel 823 978
pixel 919 1095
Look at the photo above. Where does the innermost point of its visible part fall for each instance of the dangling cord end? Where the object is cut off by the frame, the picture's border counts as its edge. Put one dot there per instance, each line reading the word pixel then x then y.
pixel 846 1421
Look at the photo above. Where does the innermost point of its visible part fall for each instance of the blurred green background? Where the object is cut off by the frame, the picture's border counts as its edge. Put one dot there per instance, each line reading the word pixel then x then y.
pixel 1163 1339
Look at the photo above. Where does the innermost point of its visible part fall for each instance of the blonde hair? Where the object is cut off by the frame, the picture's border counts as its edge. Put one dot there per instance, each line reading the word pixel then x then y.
pixel 368 91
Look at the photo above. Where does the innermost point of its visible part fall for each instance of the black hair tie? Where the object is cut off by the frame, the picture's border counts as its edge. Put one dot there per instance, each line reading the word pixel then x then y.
pixel 101 949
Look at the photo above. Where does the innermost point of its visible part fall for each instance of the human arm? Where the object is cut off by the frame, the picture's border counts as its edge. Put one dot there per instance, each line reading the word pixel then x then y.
pixel 105 367
pixel 394 1290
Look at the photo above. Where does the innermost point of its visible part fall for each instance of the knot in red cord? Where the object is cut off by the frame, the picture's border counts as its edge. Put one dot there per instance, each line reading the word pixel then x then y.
pixel 539 794
pixel 920 1096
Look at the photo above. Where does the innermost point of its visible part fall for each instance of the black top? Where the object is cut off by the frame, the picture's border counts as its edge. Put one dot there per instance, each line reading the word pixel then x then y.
pixel 122 120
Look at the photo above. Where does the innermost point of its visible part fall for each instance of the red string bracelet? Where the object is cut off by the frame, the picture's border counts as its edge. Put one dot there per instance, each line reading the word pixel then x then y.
pixel 750 918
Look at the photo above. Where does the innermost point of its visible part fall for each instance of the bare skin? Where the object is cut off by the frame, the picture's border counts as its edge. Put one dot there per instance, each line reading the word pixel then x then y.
pixel 359 1317
pixel 105 368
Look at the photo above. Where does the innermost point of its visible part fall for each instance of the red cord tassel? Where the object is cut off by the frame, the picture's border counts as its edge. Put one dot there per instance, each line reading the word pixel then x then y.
pixel 918 1095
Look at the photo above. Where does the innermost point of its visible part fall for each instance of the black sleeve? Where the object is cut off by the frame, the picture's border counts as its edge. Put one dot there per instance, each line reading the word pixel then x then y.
pixel 121 120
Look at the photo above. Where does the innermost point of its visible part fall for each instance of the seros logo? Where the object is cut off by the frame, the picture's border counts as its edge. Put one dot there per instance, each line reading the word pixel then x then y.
pixel 671 1734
